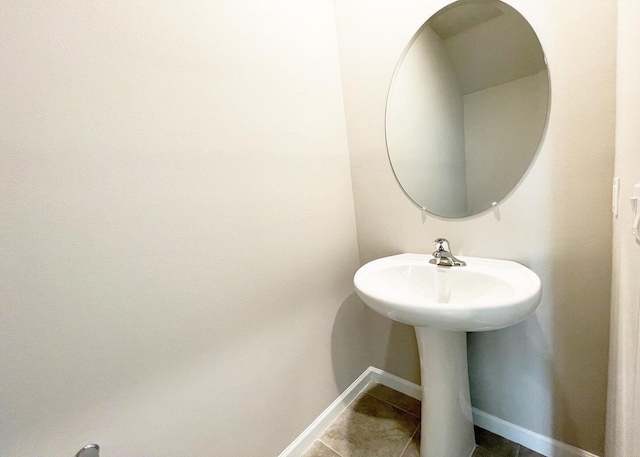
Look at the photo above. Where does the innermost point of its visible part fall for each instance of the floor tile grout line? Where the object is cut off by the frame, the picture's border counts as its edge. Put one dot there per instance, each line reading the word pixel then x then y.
pixel 387 401
pixel 391 404
pixel 410 439
pixel 336 452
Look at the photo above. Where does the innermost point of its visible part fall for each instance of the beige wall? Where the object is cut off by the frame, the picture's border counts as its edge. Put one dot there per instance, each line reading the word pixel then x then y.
pixel 549 373
pixel 623 422
pixel 177 239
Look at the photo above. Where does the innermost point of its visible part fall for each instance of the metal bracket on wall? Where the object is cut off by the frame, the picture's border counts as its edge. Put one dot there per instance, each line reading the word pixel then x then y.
pixel 616 196
pixel 90 450
pixel 635 207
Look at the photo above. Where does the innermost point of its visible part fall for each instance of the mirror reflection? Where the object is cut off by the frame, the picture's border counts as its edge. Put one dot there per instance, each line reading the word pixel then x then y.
pixel 467 108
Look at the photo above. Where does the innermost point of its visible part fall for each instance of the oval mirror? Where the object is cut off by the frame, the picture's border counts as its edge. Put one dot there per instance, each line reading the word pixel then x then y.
pixel 467 107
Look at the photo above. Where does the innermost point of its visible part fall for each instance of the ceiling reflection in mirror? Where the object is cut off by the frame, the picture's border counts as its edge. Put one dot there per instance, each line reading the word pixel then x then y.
pixel 467 108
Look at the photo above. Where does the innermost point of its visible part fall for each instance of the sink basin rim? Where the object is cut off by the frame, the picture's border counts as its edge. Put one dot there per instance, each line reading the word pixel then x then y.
pixel 521 294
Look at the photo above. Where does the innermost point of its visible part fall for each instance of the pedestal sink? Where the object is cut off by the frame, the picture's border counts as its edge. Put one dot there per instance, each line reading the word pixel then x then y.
pixel 443 303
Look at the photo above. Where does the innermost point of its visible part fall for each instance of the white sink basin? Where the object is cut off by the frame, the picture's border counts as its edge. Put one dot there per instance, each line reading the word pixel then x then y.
pixel 486 294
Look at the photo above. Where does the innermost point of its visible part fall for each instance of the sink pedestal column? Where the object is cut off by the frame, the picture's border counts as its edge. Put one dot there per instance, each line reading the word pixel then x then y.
pixel 447 422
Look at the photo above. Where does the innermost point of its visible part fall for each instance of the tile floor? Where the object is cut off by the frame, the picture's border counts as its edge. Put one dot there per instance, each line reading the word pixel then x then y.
pixel 382 422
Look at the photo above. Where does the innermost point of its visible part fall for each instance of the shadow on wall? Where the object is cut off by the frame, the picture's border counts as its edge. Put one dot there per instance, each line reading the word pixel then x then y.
pixel 377 341
pixel 574 313
pixel 527 364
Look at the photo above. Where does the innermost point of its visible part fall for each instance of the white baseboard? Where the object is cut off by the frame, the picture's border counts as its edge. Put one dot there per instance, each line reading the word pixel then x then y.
pixel 541 444
pixel 318 426
pixel 395 382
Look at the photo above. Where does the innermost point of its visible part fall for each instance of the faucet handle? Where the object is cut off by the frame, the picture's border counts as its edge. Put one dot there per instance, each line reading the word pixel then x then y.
pixel 441 245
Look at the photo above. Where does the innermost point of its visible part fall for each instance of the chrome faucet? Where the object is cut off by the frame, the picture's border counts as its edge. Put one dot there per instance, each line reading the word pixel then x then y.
pixel 442 255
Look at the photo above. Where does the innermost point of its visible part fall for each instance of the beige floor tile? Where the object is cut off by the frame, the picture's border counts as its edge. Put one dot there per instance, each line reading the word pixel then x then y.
pixel 371 428
pixel 482 452
pixel 495 444
pixel 526 452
